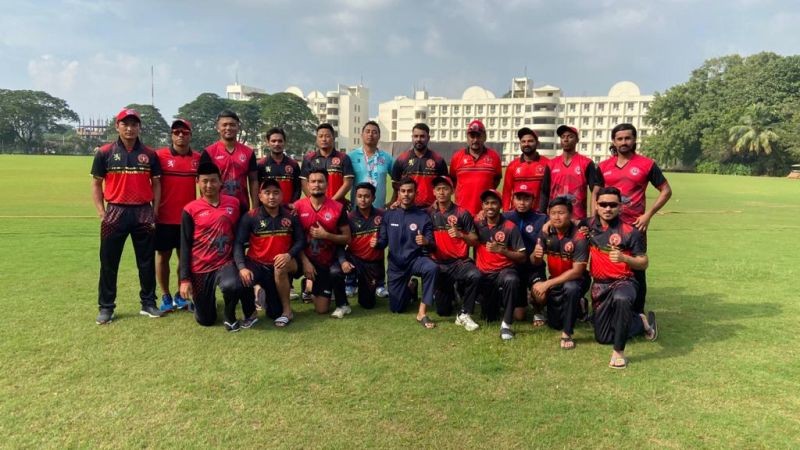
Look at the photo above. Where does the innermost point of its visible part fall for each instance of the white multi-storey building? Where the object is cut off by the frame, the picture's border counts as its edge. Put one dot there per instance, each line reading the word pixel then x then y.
pixel 542 109
pixel 238 91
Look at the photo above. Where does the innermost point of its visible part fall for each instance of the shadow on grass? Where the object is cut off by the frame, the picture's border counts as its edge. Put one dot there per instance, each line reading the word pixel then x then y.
pixel 687 320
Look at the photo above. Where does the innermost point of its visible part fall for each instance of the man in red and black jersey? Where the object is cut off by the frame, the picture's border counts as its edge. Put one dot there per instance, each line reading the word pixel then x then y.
pixel 208 227
pixel 125 186
pixel 236 161
pixel 567 253
pixel 361 257
pixel 325 224
pixel 573 174
pixel 335 163
pixel 475 168
pixel 275 239
pixel 454 233
pixel 178 188
pixel 631 172
pixel 616 249
pixel 500 248
pixel 530 169
pixel 419 163
pixel 279 167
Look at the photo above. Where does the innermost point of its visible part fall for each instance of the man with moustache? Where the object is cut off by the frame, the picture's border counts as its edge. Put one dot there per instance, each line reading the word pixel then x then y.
pixel 474 169
pixel 573 174
pixel 419 163
pixel 530 169
pixel 281 168
pixel 337 165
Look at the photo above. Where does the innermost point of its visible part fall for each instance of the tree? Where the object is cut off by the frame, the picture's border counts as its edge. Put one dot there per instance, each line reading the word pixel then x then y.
pixel 755 134
pixel 154 132
pixel 291 113
pixel 202 112
pixel 30 114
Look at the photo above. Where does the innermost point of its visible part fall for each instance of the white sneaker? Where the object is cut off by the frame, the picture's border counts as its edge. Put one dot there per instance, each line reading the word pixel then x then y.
pixel 341 311
pixel 381 292
pixel 465 320
pixel 293 295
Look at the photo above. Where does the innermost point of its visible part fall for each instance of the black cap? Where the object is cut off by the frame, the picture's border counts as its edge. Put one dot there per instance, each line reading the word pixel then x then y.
pixel 269 182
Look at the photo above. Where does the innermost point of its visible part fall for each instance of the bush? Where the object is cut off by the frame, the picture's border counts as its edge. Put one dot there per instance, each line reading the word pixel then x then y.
pixel 715 167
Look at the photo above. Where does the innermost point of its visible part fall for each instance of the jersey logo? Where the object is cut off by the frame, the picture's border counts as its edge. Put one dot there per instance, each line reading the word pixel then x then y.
pixel 286 222
pixel 194 164
pixel 523 187
pixel 539 170
pixel 288 169
pixel 327 216
pixel 430 164
pixel 241 158
pixel 452 220
pixel 229 210
pixel 143 159
pixel 336 161
pixel 262 224
pixel 117 157
pixel 488 160
pixel 317 161
pixel 411 162
pixel 577 170
pixel 170 163
pixel 412 227
pixel 615 239
pixel 568 247
pixel 377 220
pixel 499 236
pixel 634 171
pixel 269 169
pixel 529 228
pixel 466 160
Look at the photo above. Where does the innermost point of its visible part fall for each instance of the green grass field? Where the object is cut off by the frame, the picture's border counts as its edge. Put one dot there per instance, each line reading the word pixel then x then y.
pixel 723 279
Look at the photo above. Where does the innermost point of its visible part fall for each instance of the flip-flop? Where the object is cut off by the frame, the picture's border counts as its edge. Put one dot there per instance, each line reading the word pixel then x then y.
pixel 614 363
pixel 539 320
pixel 282 321
pixel 565 340
pixel 427 323
pixel 651 318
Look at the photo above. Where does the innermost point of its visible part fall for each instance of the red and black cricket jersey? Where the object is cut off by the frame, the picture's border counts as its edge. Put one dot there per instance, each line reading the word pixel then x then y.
pixel 178 183
pixel 631 180
pixel 126 174
pixel 286 173
pixel 448 248
pixel 268 236
pixel 330 216
pixel 620 234
pixel 503 231
pixel 336 163
pixel 472 176
pixel 573 181
pixel 422 170
pixel 235 167
pixel 207 234
pixel 535 174
pixel 563 250
pixel 363 229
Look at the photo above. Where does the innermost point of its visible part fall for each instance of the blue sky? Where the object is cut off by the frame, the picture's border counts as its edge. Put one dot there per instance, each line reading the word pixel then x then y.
pixel 97 54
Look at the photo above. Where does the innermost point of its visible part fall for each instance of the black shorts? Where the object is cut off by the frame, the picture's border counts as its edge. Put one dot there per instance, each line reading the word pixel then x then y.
pixel 168 237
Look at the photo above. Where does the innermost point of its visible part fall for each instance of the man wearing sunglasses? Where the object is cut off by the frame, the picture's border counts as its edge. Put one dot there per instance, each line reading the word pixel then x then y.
pixel 616 249
pixel 179 169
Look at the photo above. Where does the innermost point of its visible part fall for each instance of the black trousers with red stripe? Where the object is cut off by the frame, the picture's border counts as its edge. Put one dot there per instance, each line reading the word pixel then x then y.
pixel 119 222
pixel 204 287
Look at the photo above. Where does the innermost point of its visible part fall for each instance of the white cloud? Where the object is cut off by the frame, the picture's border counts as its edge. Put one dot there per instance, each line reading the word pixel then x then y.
pixel 53 75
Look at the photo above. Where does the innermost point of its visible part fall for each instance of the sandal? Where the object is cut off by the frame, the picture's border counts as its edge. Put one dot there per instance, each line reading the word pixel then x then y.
pixel 427 323
pixel 282 321
pixel 567 343
pixel 538 320
pixel 652 335
pixel 618 363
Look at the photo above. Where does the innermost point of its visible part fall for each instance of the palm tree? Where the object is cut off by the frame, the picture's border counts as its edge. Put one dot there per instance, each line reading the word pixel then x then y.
pixel 755 135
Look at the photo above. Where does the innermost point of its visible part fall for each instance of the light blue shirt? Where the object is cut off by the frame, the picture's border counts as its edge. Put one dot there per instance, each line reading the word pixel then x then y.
pixel 374 170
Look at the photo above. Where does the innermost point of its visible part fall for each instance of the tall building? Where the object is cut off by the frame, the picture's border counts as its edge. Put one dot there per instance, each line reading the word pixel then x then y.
pixel 542 109
pixel 238 91
pixel 346 108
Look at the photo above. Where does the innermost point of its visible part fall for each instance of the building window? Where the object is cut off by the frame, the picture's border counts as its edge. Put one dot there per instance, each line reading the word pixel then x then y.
pixel 504 134
pixel 585 121
pixel 645 105
pixel 600 107
pixel 468 110
pixel 444 122
pixel 492 109
pixel 492 121
pixel 518 109
pixel 505 109
pixel 454 134
pixel 517 122
pixel 629 106
pixel 528 108
pixel 583 147
pixel 615 107
pixel 433 122
pixel 394 114
pixel 491 134
pixel 455 109
pixel 479 109
pixel 505 121
pixel 444 109
pixel 629 119
pixel 586 107
pixel 598 134
pixel 597 147
pixel 613 120
pixel 442 134
pixel 584 134
pixel 599 121
pixel 572 107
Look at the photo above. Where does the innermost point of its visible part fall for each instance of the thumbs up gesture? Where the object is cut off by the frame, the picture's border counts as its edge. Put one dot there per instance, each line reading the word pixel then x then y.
pixel 373 242
pixel 538 250
pixel 420 239
pixel 453 232
pixel 615 255
pixel 317 232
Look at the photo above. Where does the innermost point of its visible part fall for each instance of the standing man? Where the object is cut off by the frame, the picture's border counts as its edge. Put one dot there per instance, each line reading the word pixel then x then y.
pixel 281 168
pixel 236 161
pixel 408 232
pixel 631 172
pixel 419 163
pixel 363 260
pixel 275 239
pixel 500 249
pixel 179 170
pixel 325 224
pixel 208 226
pixel 337 165
pixel 573 174
pixel 530 169
pixel 454 233
pixel 475 168
pixel 125 186
pixel 616 249
pixel 567 253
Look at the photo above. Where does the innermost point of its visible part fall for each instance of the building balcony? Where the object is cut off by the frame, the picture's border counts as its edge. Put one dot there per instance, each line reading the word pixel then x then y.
pixel 546 100
pixel 543 113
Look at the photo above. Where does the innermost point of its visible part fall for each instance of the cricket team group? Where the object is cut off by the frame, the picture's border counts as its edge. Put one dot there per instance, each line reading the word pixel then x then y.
pixel 560 230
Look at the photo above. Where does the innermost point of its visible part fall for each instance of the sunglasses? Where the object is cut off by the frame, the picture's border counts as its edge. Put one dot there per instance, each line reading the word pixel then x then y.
pixel 181 132
pixel 607 204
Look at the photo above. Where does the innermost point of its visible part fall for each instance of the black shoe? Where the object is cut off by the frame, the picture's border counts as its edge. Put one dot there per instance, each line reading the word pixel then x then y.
pixel 233 327
pixel 105 316
pixel 249 322
pixel 151 311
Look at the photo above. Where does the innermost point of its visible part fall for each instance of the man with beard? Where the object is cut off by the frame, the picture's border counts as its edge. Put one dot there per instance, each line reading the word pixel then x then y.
pixel 325 223
pixel 572 174
pixel 567 253
pixel 236 161
pixel 500 249
pixel 208 228
pixel 419 163
pixel 616 249
pixel 631 172
pixel 475 168
pixel 408 232
pixel 337 165
pixel 281 168
pixel 531 170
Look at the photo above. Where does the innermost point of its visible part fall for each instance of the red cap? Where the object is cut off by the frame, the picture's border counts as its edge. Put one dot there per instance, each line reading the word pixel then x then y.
pixel 443 179
pixel 186 124
pixel 491 193
pixel 564 128
pixel 127 112
pixel 476 126
pixel 523 189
